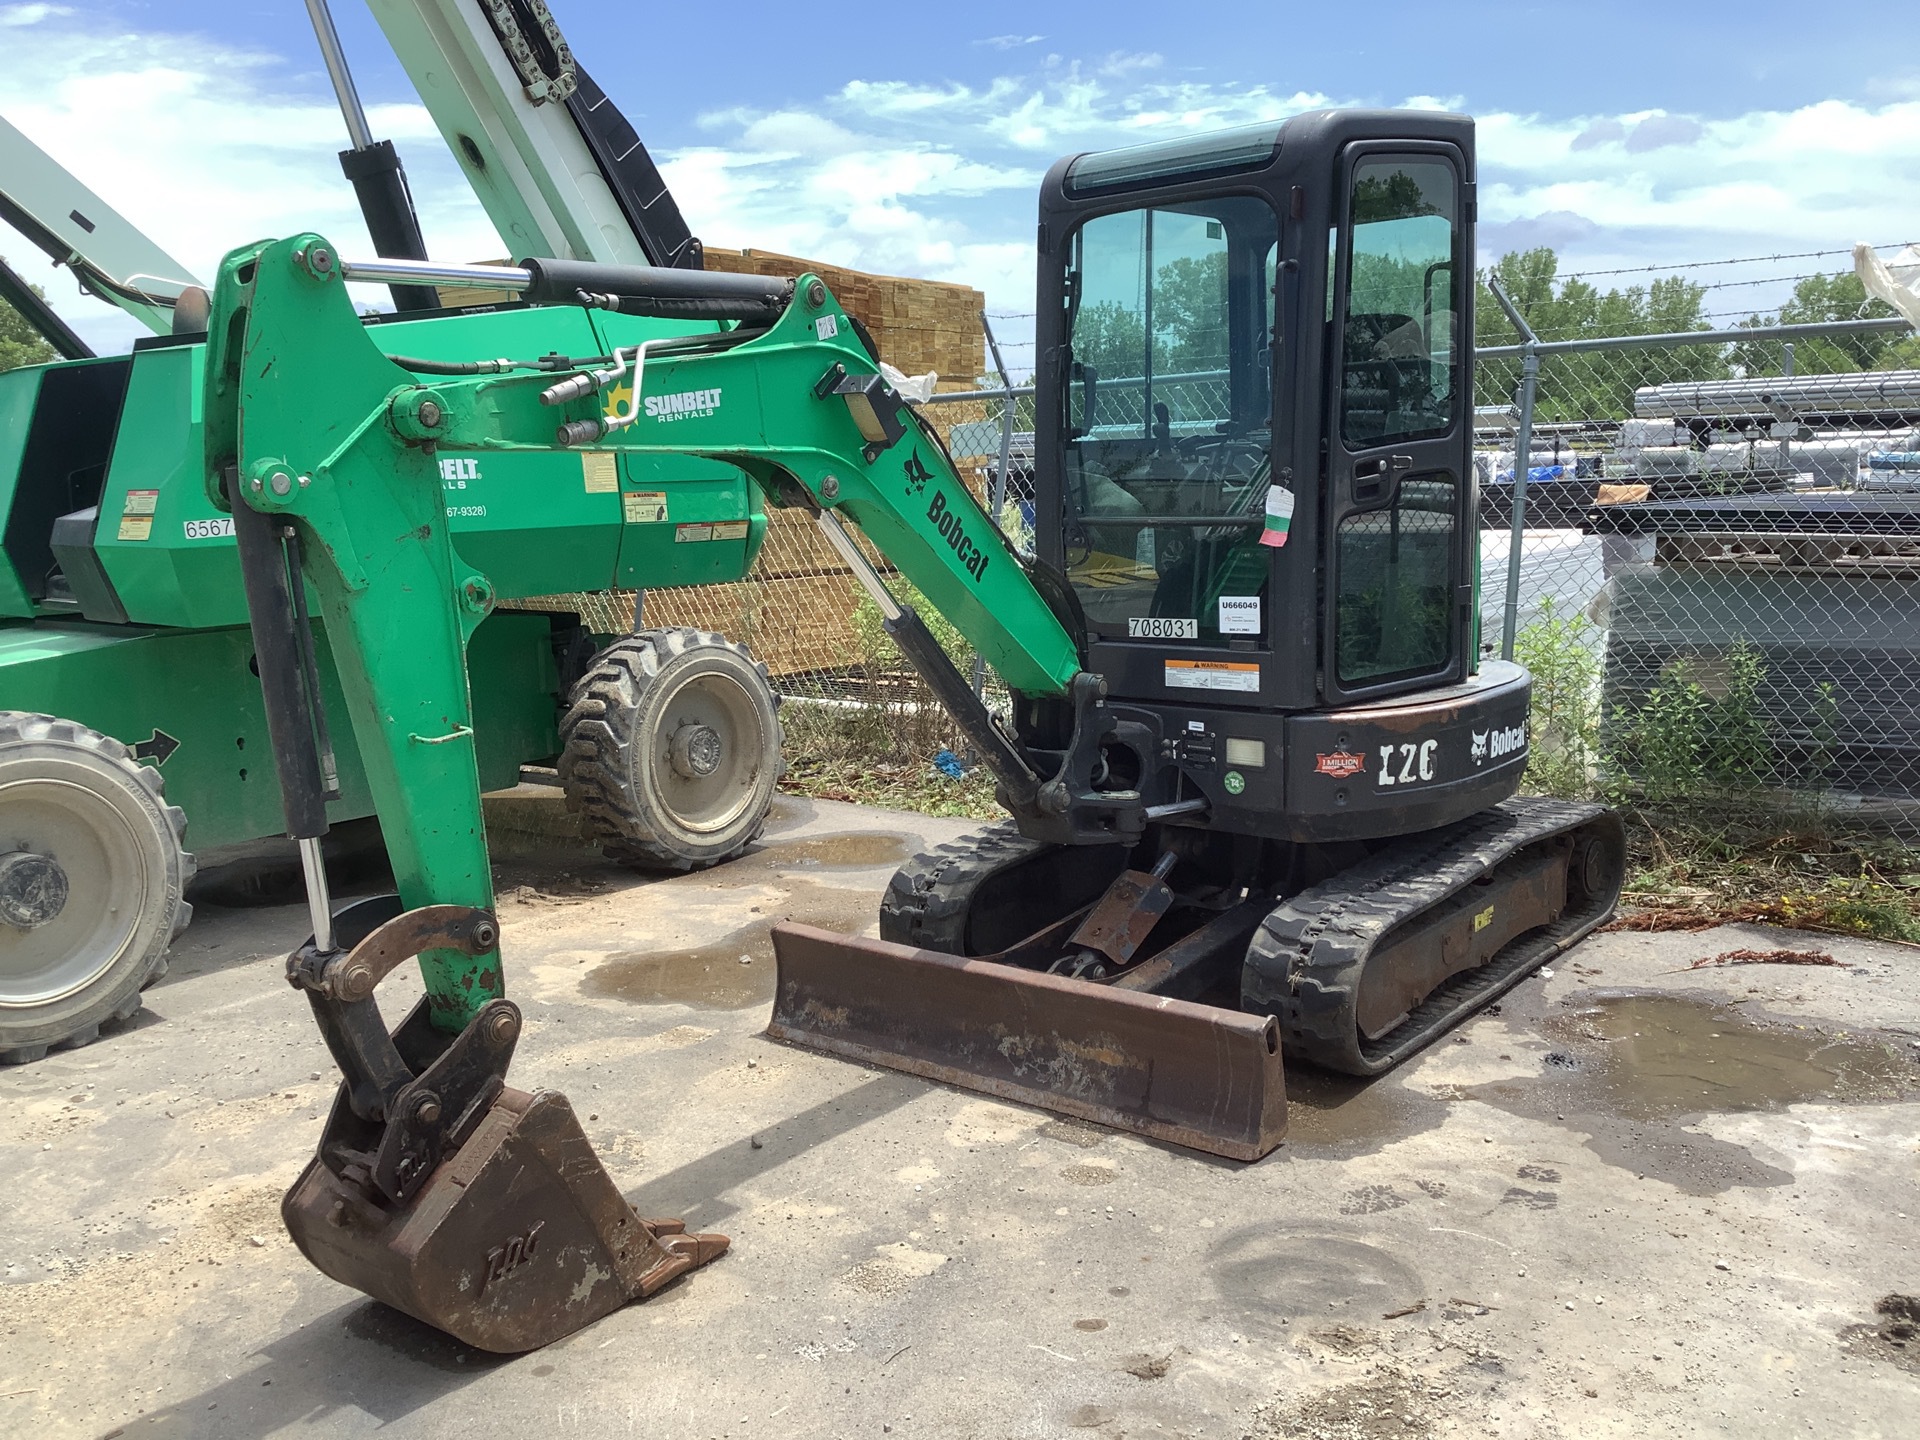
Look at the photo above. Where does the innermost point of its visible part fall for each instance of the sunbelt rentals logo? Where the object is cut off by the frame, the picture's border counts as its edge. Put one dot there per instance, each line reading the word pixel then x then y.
pixel 687 405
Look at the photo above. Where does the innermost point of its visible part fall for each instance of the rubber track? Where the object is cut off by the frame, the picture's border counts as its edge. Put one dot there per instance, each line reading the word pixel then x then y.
pixel 1306 960
pixel 23 725
pixel 599 737
pixel 929 898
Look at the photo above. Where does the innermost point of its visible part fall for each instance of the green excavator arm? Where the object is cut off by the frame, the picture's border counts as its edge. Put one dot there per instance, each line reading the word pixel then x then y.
pixel 312 427
pixel 327 453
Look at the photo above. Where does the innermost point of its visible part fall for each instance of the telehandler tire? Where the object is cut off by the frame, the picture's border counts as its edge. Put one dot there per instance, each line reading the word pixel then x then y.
pixel 671 749
pixel 93 879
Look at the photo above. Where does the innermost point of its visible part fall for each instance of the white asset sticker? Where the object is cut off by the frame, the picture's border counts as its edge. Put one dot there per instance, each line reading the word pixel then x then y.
pixel 1239 614
pixel 644 507
pixel 1213 675
pixel 600 471
pixel 214 529
pixel 1155 627
pixel 826 327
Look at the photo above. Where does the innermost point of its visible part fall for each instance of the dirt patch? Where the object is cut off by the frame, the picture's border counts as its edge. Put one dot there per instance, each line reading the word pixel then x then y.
pixel 1532 1199
pixel 1089 1174
pixel 1393 1405
pixel 1147 1367
pixel 1076 1133
pixel 1371 1200
pixel 1894 1336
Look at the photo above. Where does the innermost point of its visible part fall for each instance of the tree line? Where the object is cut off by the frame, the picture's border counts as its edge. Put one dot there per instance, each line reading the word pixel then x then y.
pixel 1600 385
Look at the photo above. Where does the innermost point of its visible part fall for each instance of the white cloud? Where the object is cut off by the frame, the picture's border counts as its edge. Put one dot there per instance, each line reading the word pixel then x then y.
pixel 19 16
pixel 1009 42
pixel 205 145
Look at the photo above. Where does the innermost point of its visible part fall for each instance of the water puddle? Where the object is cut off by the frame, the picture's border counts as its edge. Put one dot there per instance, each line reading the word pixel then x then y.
pixel 1655 1055
pixel 735 972
pixel 1636 1071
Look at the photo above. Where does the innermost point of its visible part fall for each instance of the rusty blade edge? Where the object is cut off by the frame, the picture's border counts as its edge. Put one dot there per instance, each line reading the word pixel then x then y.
pixel 1050 1101
pixel 1259 1112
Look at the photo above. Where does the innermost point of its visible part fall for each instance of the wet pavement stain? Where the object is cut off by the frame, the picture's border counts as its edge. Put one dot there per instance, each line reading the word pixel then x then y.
pixel 1270 1277
pixel 714 977
pixel 1348 1116
pixel 1634 1070
pixel 835 852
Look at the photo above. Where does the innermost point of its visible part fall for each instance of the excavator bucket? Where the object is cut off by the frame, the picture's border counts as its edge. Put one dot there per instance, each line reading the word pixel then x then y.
pixel 440 1190
pixel 516 1240
pixel 1193 1075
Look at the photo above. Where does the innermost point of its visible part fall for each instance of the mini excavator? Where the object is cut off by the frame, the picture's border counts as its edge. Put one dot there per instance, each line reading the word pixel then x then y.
pixel 1261 795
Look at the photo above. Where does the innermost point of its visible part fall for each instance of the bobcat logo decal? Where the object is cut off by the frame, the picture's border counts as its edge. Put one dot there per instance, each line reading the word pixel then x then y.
pixel 917 474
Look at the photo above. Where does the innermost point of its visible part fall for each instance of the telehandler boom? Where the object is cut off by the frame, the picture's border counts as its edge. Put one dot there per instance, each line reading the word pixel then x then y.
pixel 1261 798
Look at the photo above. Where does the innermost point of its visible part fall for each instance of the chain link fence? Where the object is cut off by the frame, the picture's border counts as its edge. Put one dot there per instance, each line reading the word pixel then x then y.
pixel 1705 545
pixel 1709 559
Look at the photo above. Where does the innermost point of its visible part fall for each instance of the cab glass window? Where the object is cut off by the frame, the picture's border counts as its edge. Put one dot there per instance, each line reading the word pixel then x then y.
pixel 1400 334
pixel 1168 417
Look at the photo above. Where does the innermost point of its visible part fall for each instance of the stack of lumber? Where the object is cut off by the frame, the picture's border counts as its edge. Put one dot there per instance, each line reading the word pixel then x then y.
pixel 796 608
pixel 919 325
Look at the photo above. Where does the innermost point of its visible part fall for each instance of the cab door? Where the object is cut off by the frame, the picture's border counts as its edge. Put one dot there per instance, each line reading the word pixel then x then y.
pixel 1398 597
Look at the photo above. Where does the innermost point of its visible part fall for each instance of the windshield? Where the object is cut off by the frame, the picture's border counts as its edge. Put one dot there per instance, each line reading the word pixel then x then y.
pixel 1167 461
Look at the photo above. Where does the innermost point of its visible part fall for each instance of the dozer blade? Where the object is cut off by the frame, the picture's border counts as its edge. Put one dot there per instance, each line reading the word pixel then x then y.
pixel 1189 1074
pixel 517 1239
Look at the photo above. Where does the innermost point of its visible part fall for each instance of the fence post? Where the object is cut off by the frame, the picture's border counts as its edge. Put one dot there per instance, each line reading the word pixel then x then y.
pixel 998 495
pixel 1522 455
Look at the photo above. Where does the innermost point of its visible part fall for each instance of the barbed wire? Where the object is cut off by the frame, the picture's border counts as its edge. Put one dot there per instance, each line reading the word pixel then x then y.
pixel 1706 264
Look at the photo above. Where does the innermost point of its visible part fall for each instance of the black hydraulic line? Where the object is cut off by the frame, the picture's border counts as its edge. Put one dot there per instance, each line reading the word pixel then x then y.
pixel 310 670
pixel 380 184
pixel 956 697
pixel 36 312
pixel 290 707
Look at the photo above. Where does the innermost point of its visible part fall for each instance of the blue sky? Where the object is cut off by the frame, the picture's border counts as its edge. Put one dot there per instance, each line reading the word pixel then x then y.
pixel 909 139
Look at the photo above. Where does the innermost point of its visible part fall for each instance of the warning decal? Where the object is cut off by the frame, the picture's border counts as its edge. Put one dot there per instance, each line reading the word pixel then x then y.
pixel 1213 675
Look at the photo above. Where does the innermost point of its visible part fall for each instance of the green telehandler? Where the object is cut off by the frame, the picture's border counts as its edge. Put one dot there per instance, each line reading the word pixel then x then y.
pixel 130 719
pixel 1261 799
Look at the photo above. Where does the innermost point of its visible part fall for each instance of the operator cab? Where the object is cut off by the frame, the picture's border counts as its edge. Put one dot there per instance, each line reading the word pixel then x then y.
pixel 1253 458
pixel 1198 290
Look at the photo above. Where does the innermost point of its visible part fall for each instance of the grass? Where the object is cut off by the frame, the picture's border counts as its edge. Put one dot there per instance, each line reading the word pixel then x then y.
pixel 1684 878
pixel 881 756
pixel 911 786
